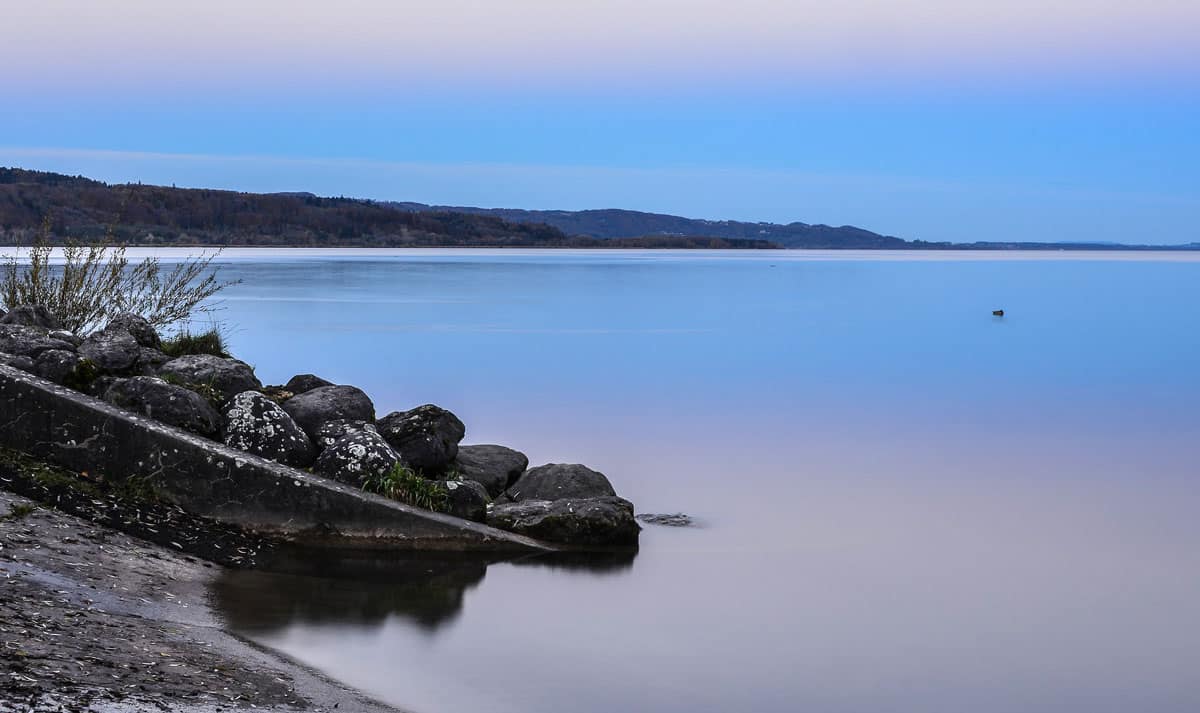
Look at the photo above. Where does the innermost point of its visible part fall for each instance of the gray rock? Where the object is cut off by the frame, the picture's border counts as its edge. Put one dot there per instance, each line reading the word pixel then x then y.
pixel 334 431
pixel 17 361
pixel 65 336
pixel 165 402
pixel 300 383
pixel 136 325
pixel 20 340
pixel 606 521
pixel 493 467
pixel 111 350
pixel 226 377
pixel 560 480
pixel 57 365
pixel 150 361
pixel 256 424
pixel 425 437
pixel 32 316
pixel 315 408
pixel 356 457
pixel 669 520
pixel 100 386
pixel 466 499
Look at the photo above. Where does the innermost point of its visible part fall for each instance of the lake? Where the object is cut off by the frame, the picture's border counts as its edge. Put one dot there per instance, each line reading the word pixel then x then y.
pixel 904 503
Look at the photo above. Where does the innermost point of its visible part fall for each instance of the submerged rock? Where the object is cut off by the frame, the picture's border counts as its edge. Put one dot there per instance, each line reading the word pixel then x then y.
pixel 22 340
pixel 466 499
pixel 493 467
pixel 165 402
pixel 356 457
pixel 670 520
pixel 301 383
pixel 313 409
pixel 555 481
pixel 255 424
pixel 226 377
pixel 425 437
pixel 604 521
pixel 32 316
pixel 111 350
pixel 138 327
pixel 334 431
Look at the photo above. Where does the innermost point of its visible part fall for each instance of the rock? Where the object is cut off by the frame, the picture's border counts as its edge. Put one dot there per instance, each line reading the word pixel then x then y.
pixel 356 457
pixel 111 350
pixel 165 402
pixel 20 340
pixel 226 377
pixel 466 499
pixel 559 480
pixel 64 336
pixel 672 520
pixel 32 316
pixel 606 521
pixel 426 437
pixel 315 408
pixel 100 386
pixel 137 326
pixel 17 361
pixel 334 431
pixel 57 365
pixel 493 467
pixel 255 424
pixel 300 383
pixel 150 361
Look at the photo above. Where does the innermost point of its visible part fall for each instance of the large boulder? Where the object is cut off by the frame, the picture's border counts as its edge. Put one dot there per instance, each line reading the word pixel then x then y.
pixel 334 431
pixel 149 361
pixel 606 521
pixel 315 408
pixel 165 402
pixel 22 340
pixel 226 377
pixel 426 437
pixel 301 383
pixel 32 316
pixel 493 467
pixel 560 480
pixel 466 499
pixel 111 350
pixel 256 424
pixel 63 367
pixel 138 327
pixel 356 457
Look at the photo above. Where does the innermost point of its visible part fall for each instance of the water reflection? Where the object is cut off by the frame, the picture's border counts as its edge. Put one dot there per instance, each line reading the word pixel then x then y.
pixel 320 588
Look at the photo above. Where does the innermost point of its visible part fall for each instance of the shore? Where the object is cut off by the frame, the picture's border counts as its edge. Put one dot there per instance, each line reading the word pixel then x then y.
pixel 95 620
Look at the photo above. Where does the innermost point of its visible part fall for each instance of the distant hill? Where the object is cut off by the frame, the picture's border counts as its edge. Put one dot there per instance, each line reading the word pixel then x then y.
pixel 614 223
pixel 83 210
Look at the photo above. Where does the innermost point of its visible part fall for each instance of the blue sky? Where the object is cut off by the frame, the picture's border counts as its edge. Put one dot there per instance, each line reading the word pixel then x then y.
pixel 1066 121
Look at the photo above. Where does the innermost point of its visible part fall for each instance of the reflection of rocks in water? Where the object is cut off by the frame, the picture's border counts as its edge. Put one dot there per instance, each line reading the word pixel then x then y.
pixel 595 562
pixel 315 589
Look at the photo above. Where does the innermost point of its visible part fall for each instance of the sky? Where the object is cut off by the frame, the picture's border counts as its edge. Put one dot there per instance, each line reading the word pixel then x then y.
pixel 951 120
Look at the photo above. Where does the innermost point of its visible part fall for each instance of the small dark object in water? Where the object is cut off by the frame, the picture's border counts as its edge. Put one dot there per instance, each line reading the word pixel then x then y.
pixel 997 313
pixel 674 520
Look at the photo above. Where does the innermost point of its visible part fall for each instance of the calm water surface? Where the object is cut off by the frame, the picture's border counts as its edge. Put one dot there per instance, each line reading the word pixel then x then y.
pixel 906 503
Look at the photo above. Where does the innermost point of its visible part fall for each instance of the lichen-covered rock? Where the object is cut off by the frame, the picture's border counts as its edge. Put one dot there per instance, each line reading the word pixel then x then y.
pixel 356 457
pixel 605 521
pixel 64 336
pixel 300 383
pixel 226 377
pixel 22 340
pixel 17 361
pixel 150 360
pixel 426 437
pixel 334 431
pixel 315 408
pixel 555 481
pixel 493 467
pixel 139 327
pixel 256 424
pixel 111 350
pixel 466 499
pixel 58 365
pixel 32 316
pixel 165 402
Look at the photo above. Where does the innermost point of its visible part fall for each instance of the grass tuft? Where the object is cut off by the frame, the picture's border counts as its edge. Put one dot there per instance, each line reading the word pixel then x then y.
pixel 403 484
pixel 185 342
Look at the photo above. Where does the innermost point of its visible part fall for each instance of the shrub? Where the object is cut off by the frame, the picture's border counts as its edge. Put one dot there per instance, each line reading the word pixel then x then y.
pixel 407 486
pixel 96 283
pixel 185 342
